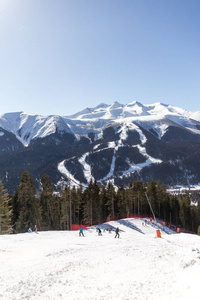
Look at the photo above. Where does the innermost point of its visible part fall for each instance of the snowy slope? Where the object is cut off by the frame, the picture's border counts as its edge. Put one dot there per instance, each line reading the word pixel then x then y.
pixel 62 265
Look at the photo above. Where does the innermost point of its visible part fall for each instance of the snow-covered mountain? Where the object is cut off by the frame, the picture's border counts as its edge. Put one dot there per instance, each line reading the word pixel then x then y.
pixel 108 142
pixel 28 127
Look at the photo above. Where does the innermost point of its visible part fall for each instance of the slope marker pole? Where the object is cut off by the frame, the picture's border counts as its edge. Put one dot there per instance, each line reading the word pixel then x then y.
pixel 151 209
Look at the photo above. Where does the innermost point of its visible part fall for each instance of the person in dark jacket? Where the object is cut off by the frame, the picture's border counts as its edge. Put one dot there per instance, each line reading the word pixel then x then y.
pixel 99 231
pixel 117 232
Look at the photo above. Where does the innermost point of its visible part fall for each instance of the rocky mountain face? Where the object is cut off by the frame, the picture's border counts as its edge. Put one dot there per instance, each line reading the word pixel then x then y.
pixel 109 142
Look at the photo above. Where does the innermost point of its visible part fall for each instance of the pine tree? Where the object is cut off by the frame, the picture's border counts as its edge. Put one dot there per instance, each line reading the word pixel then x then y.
pixel 184 215
pixel 194 220
pixel 5 211
pixel 152 195
pixel 91 204
pixel 103 198
pixel 79 205
pixel 130 198
pixel 47 201
pixel 198 230
pixel 29 206
pixel 174 210
pixel 121 204
pixel 111 200
pixel 64 196
pixel 138 197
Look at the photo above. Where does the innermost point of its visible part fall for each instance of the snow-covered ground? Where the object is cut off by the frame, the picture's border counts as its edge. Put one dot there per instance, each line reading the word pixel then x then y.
pixel 138 265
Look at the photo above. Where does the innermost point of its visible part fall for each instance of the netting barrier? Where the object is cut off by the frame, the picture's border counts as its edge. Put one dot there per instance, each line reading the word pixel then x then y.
pixel 76 227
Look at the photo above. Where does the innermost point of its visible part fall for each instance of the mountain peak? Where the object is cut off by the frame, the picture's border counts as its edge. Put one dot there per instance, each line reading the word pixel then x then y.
pixel 116 105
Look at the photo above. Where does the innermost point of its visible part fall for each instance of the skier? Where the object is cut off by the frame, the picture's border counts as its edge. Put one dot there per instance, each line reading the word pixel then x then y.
pixel 29 230
pixel 36 229
pixel 99 231
pixel 81 231
pixel 117 232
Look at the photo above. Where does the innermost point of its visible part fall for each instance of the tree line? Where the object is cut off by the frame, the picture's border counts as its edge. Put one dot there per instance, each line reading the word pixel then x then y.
pixel 94 204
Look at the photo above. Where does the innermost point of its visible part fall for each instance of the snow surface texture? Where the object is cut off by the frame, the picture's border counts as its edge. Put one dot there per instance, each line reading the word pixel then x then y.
pixel 61 265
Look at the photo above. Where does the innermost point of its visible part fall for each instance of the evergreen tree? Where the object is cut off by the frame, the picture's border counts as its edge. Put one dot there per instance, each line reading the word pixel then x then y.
pixel 138 197
pixel 152 195
pixel 111 200
pixel 5 211
pixel 91 204
pixel 29 207
pixel 184 215
pixel 79 205
pixel 64 196
pixel 162 200
pixel 198 230
pixel 174 210
pixel 16 209
pixel 121 204
pixel 130 198
pixel 75 202
pixel 195 218
pixel 103 198
pixel 47 202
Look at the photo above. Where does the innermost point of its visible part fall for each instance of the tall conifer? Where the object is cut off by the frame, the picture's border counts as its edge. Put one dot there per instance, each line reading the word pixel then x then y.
pixel 5 211
pixel 29 208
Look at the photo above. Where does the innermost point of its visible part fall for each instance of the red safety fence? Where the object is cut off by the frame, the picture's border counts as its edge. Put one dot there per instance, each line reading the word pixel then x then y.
pixel 76 227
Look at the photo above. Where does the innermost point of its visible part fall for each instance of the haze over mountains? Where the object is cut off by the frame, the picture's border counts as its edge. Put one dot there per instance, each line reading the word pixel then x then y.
pixel 109 142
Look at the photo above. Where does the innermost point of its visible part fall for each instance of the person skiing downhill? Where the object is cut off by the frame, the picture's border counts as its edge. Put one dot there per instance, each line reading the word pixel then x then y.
pixel 117 232
pixel 99 231
pixel 36 229
pixel 81 231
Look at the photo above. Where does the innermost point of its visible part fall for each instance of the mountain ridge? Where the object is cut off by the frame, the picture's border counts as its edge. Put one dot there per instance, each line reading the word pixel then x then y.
pixel 40 126
pixel 118 142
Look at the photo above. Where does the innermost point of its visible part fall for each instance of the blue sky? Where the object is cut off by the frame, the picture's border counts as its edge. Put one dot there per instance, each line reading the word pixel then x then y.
pixel 61 56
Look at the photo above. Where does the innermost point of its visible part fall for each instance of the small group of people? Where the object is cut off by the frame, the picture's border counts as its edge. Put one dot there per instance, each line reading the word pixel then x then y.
pixel 35 229
pixel 100 232
pixel 109 229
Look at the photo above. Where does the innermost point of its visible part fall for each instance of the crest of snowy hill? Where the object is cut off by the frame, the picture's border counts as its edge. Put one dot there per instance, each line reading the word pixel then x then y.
pixel 109 142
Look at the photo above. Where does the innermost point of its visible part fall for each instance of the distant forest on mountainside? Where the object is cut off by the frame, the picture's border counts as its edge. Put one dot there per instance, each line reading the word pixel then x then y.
pixel 95 204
